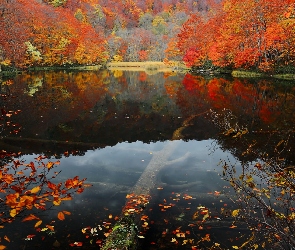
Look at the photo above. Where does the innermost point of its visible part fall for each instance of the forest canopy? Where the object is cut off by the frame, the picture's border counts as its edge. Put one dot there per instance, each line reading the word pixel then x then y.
pixel 228 33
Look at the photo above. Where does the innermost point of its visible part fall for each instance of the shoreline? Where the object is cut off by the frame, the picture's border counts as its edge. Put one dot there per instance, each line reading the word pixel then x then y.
pixel 148 66
pixel 153 67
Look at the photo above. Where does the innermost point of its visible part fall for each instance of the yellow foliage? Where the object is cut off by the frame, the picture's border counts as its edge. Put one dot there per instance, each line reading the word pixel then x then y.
pixel 117 58
pixel 235 212
pixel 35 190
pixel 5 62
pixel 158 20
pixel 118 73
pixel 80 16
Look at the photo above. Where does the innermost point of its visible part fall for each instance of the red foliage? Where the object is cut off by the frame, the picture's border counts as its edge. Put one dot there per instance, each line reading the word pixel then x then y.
pixel 192 57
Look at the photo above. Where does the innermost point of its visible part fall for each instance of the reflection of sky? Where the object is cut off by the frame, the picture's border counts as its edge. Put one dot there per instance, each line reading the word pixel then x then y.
pixel 123 163
pixel 113 171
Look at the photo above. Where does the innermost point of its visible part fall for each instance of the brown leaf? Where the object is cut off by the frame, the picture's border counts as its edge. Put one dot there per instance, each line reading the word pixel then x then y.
pixel 66 212
pixel 61 216
pixel 50 227
pixel 30 217
pixel 6 238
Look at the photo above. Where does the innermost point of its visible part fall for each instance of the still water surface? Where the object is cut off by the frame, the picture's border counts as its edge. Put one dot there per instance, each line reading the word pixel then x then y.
pixel 106 126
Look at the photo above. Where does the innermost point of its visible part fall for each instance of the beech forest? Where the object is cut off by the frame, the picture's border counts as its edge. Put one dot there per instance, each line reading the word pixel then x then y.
pixel 229 33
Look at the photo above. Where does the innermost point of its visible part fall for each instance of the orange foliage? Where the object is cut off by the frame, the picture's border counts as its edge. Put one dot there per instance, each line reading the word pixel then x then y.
pixel 241 34
pixel 20 196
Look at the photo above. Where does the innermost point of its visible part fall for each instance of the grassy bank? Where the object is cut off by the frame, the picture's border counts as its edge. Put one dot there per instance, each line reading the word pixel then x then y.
pixel 149 67
pixel 245 74
pixel 81 67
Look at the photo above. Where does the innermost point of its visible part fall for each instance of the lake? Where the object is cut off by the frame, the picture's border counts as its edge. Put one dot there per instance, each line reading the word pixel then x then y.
pixel 108 126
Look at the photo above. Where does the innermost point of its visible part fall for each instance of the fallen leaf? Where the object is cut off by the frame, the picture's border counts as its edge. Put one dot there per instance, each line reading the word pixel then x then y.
pixel 6 238
pixel 13 212
pixel 182 235
pixel 66 212
pixel 78 244
pixel 56 244
pixel 57 202
pixel 49 165
pixel 31 217
pixel 2 247
pixel 61 216
pixel 35 190
pixel 235 212
pixel 30 236
pixel 50 227
pixel 38 223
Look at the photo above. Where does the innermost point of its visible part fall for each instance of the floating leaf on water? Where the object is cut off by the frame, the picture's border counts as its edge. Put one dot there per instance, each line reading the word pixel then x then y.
pixel 6 238
pixel 31 217
pixel 13 212
pixel 235 212
pixel 35 190
pixel 66 212
pixel 195 215
pixel 38 223
pixel 57 202
pixel 181 215
pixel 56 244
pixel 50 227
pixel 206 216
pixel 49 165
pixel 180 235
pixel 61 216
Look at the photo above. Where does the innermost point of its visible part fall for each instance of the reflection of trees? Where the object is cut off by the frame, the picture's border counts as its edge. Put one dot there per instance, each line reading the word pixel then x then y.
pixel 92 109
pixel 103 108
pixel 266 109
pixel 256 124
pixel 265 189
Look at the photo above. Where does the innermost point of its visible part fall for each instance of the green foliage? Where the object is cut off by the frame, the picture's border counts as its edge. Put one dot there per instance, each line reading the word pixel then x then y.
pixel 243 73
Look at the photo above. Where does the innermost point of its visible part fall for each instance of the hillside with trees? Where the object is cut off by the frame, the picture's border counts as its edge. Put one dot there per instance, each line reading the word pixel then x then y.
pixel 84 32
pixel 211 33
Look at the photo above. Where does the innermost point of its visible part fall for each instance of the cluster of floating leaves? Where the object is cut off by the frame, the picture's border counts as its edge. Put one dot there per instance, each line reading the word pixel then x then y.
pixel 30 187
pixel 193 230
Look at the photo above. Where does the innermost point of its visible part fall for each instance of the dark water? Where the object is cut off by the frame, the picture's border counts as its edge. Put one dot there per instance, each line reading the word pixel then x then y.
pixel 106 126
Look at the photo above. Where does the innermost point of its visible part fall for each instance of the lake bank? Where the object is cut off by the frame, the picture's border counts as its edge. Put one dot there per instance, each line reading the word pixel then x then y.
pixel 153 67
pixel 149 67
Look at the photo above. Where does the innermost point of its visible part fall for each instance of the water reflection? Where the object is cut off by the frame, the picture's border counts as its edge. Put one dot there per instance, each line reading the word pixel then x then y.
pixel 106 126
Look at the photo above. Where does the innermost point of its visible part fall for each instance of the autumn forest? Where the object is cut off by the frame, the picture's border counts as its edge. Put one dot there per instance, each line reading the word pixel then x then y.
pixel 229 33
pixel 147 124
